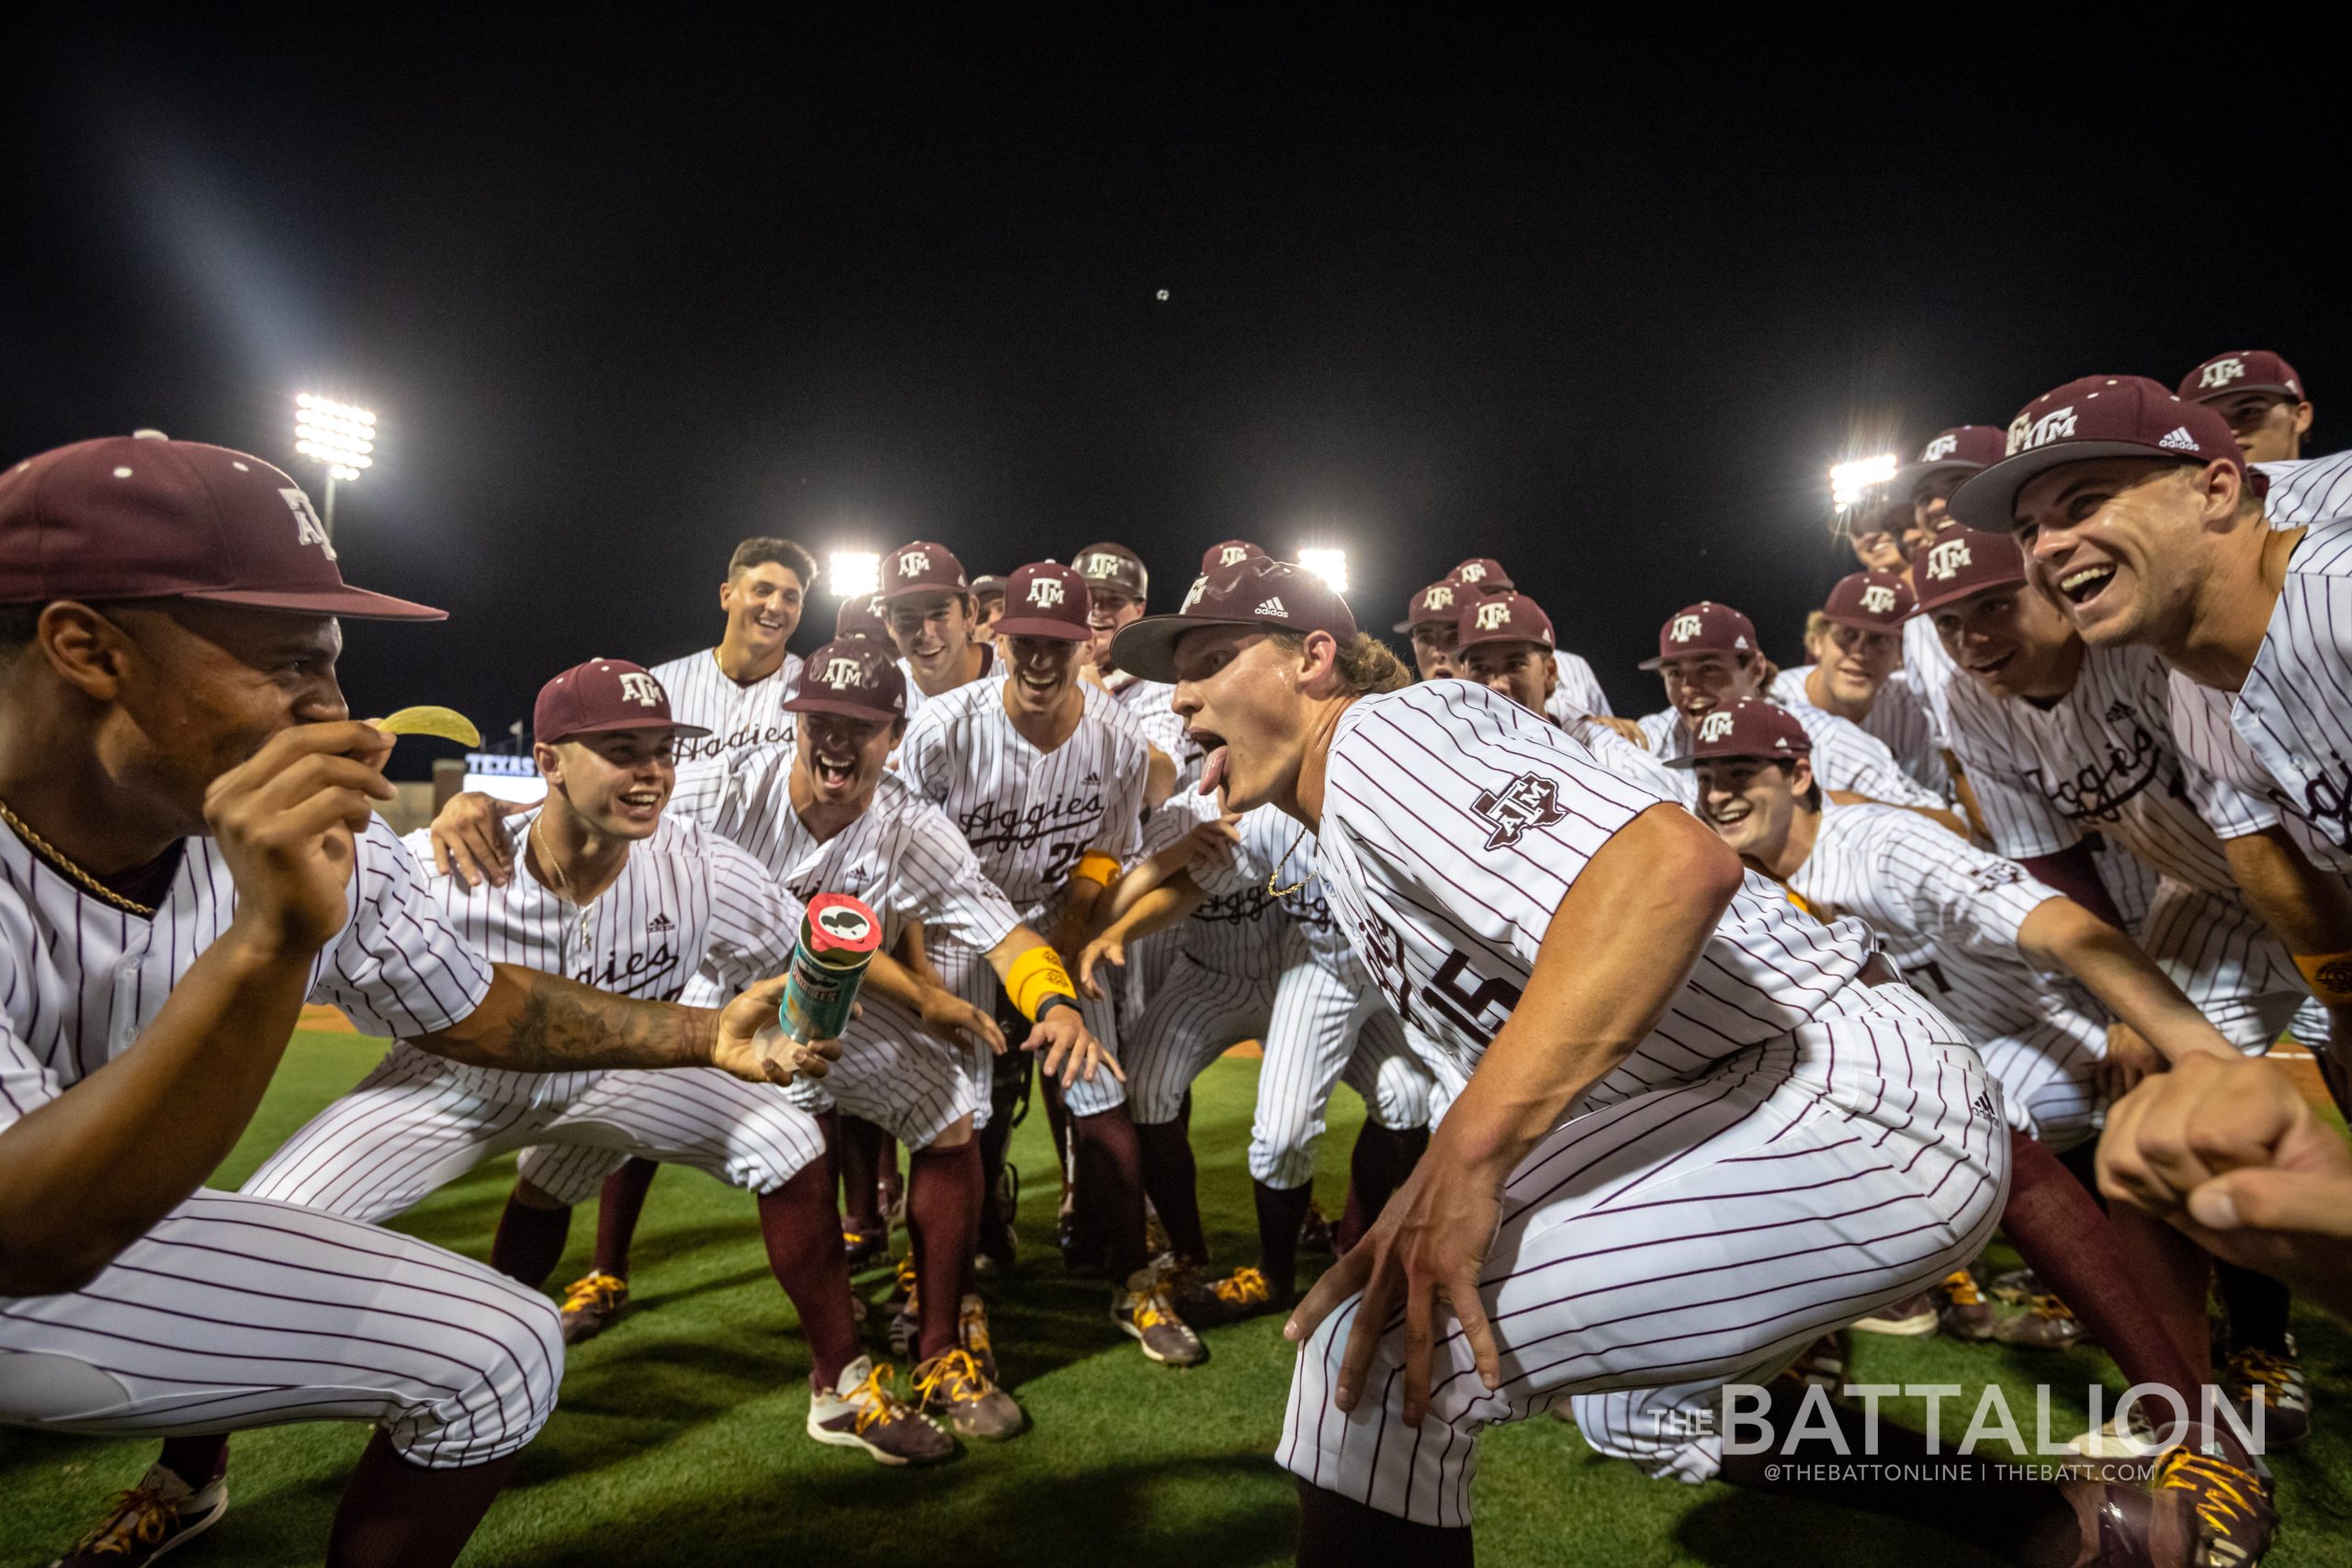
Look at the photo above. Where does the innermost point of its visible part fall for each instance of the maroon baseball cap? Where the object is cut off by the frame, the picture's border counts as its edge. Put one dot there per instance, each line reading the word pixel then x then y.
pixel 2247 370
pixel 604 694
pixel 1503 618
pixel 854 677
pixel 863 617
pixel 1962 562
pixel 1260 591
pixel 922 567
pixel 1439 602
pixel 1046 599
pixel 144 517
pixel 1750 727
pixel 987 583
pixel 1114 567
pixel 1703 628
pixel 1228 552
pixel 1481 573
pixel 2098 416
pixel 1964 448
pixel 1871 602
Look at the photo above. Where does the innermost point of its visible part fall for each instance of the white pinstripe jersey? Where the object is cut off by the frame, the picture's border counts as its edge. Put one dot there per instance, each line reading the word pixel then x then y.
pixel 1843 757
pixel 738 718
pixel 2308 491
pixel 686 903
pixel 1899 718
pixel 902 856
pixel 915 697
pixel 1930 671
pixel 1029 815
pixel 2100 760
pixel 2292 735
pixel 1151 704
pixel 1948 912
pixel 80 978
pixel 1578 691
pixel 1454 823
pixel 1237 930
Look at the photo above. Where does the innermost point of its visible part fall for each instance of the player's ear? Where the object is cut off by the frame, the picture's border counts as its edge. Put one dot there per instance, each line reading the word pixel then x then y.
pixel 83 646
pixel 550 761
pixel 2303 419
pixel 2219 488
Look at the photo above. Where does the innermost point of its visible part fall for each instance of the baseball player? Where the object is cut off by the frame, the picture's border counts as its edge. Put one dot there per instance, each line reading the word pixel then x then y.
pixel 615 893
pixel 867 617
pixel 1740 1171
pixel 1708 657
pixel 933 621
pixel 1858 675
pixel 2260 396
pixel 1430 617
pixel 988 601
pixel 1923 489
pixel 1043 776
pixel 1577 693
pixel 2062 742
pixel 190 854
pixel 1504 642
pixel 735 693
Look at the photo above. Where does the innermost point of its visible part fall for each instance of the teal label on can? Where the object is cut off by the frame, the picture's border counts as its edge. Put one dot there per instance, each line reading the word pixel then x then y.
pixel 839 936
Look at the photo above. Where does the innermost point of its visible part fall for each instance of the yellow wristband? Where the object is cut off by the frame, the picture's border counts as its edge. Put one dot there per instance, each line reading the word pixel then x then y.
pixel 1096 866
pixel 1035 976
pixel 2330 977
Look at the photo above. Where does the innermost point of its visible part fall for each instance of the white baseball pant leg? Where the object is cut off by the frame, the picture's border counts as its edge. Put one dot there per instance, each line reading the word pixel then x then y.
pixel 2225 960
pixel 1196 1014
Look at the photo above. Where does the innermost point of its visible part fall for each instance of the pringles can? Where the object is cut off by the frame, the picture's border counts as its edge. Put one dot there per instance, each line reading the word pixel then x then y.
pixel 839 936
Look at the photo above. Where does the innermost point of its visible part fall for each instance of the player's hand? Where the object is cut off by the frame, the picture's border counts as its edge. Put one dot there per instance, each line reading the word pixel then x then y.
pixel 1423 1254
pixel 1212 842
pixel 1109 947
pixel 467 841
pixel 751 1042
pixel 1070 1048
pixel 2129 1059
pixel 1624 728
pixel 951 1017
pixel 284 820
pixel 2232 1155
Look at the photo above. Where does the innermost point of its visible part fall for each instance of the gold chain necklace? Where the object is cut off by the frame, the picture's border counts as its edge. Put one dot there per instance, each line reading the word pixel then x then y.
pixel 62 862
pixel 1275 891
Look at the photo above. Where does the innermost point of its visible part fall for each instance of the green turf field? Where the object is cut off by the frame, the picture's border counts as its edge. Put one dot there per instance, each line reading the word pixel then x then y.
pixel 679 1438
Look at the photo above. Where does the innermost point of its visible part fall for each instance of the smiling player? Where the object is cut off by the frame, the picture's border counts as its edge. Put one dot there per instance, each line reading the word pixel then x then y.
pixel 734 692
pixel 1858 674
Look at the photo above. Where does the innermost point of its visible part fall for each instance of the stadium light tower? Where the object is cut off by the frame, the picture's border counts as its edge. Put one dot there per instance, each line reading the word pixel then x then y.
pixel 855 573
pixel 1331 566
pixel 1849 482
pixel 338 436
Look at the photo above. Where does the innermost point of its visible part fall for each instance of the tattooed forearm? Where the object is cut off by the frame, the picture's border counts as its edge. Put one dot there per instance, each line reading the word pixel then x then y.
pixel 532 1022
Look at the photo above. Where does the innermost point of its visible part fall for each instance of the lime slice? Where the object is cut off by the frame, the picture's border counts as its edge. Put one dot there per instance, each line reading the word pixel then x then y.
pixel 446 723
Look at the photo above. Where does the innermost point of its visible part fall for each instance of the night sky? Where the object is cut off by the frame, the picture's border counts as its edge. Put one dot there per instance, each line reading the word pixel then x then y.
pixel 1604 308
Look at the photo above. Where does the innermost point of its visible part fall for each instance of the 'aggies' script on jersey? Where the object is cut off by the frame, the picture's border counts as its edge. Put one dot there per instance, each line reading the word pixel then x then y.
pixel 739 718
pixel 1029 815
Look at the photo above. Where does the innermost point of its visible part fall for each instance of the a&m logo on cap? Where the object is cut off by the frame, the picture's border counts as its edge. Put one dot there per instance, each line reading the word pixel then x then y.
pixel 1685 627
pixel 1715 726
pixel 1193 595
pixel 1102 563
pixel 914 563
pixel 2222 372
pixel 308 529
pixel 1493 613
pixel 1942 446
pixel 1045 591
pixel 841 672
pixel 1440 597
pixel 642 689
pixel 1232 555
pixel 2025 434
pixel 1946 557
pixel 1879 598
pixel 1474 572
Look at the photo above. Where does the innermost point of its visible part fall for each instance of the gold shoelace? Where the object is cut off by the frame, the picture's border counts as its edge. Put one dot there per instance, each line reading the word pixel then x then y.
pixel 2221 1487
pixel 596 1289
pixel 1244 1287
pixel 59 860
pixel 955 1370
pixel 872 1399
pixel 149 1516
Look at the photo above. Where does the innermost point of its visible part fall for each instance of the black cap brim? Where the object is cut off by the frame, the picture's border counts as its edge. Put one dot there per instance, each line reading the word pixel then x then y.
pixel 1988 500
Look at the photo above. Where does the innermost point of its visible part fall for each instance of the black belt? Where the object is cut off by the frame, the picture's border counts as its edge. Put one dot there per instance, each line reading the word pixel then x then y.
pixel 1876 971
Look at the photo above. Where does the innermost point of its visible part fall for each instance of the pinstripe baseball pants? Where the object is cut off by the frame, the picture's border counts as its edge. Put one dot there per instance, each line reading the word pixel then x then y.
pixel 1693 1233
pixel 1195 1013
pixel 2225 960
pixel 236 1313
pixel 413 1126
pixel 1329 1025
pixel 970 975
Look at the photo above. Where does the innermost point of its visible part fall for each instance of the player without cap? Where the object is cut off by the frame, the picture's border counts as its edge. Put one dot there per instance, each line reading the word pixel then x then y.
pixel 217 861
pixel 735 691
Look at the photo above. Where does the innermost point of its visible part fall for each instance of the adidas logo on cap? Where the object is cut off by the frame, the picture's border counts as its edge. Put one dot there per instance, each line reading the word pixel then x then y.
pixel 1270 607
pixel 2178 440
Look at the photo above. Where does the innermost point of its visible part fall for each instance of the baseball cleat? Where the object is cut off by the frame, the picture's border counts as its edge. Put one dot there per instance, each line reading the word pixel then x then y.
pixel 1913 1317
pixel 1144 1313
pixel 2130 1436
pixel 863 1247
pixel 906 1322
pixel 1962 1310
pixel 972 1328
pixel 2014 1286
pixel 860 1412
pixel 1245 1293
pixel 591 1305
pixel 2196 1513
pixel 2276 1384
pixel 2047 1324
pixel 1155 1236
pixel 1315 1231
pixel 953 1386
pixel 161 1514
